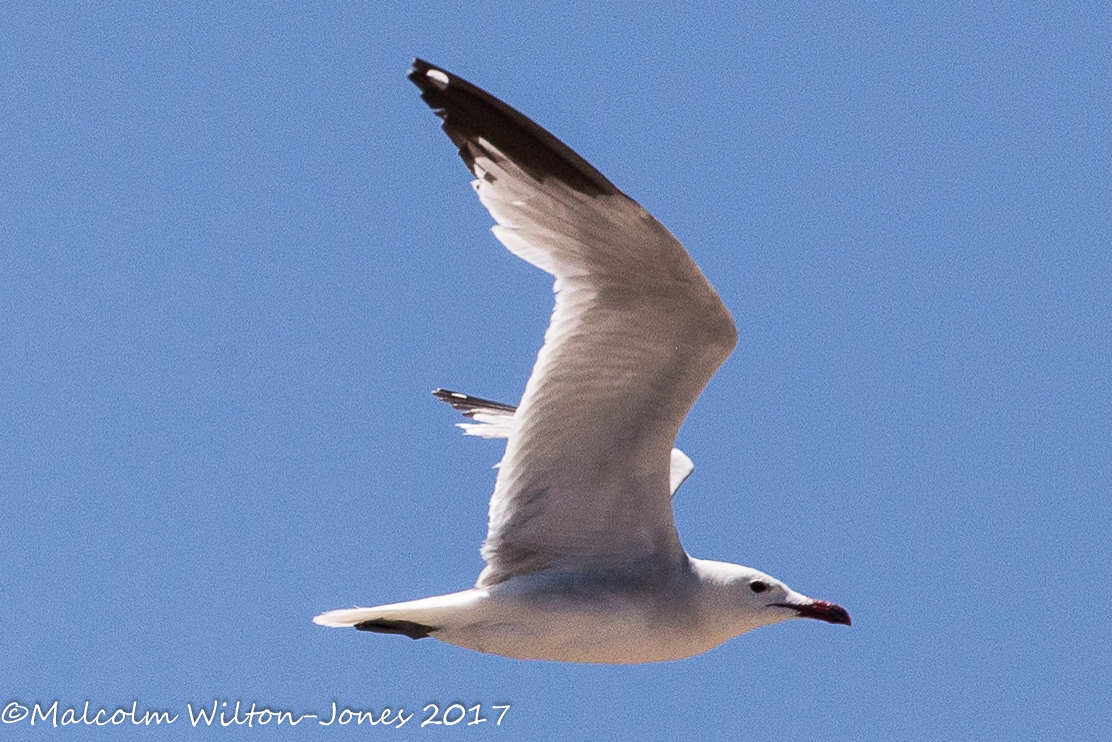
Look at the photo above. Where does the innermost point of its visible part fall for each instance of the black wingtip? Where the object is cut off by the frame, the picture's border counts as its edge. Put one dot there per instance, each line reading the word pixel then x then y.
pixel 471 114
pixel 412 629
pixel 418 72
pixel 468 404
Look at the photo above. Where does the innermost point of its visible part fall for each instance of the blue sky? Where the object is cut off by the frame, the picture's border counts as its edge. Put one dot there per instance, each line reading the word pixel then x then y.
pixel 237 252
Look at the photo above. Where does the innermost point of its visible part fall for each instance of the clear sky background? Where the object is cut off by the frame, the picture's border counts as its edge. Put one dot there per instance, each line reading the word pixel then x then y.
pixel 237 252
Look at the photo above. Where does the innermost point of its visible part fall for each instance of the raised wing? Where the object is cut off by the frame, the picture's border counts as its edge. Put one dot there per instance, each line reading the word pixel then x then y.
pixel 636 333
pixel 491 419
pixel 494 419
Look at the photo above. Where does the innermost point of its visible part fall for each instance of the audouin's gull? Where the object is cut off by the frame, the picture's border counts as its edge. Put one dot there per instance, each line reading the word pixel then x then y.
pixel 583 560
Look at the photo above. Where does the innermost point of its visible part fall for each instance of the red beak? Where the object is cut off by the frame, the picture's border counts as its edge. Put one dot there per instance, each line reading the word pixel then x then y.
pixel 822 610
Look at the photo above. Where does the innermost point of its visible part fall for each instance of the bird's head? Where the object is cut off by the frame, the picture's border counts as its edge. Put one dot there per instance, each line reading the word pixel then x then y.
pixel 753 599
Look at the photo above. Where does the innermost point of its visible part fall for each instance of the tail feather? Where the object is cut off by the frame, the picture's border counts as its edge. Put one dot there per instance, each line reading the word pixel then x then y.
pixel 415 618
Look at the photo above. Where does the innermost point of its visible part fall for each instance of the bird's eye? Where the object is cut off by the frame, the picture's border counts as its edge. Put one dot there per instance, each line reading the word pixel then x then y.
pixel 757 586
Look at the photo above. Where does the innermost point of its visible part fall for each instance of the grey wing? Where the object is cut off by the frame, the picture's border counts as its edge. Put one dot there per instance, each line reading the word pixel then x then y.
pixel 494 419
pixel 636 333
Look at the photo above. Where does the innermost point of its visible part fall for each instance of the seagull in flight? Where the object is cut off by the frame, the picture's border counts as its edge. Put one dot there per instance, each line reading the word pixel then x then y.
pixel 583 562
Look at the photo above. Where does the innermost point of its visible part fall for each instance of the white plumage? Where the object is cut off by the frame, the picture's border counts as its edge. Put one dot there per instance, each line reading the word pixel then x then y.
pixel 583 560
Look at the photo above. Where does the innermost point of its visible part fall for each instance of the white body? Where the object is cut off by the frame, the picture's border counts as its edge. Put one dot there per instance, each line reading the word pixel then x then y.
pixel 620 618
pixel 583 560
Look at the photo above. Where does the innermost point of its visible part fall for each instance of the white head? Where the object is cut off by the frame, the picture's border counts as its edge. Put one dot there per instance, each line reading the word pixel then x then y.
pixel 740 599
